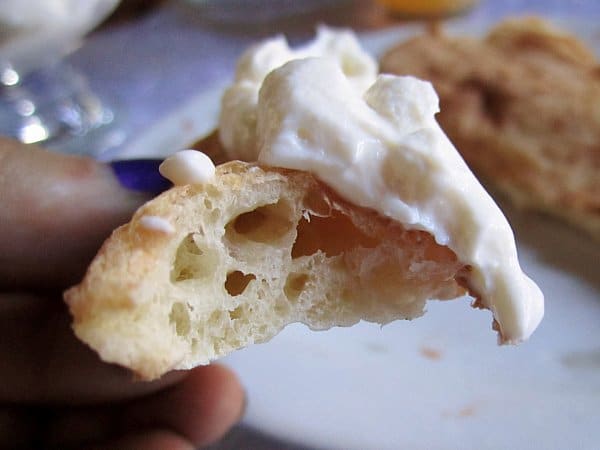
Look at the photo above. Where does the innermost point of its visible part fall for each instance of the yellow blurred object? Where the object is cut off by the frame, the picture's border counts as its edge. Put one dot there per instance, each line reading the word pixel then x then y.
pixel 427 8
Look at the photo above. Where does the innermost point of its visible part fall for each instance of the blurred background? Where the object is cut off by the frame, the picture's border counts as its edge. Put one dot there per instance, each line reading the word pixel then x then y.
pixel 148 59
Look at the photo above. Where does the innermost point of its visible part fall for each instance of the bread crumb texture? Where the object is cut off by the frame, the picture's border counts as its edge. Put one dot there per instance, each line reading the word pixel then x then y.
pixel 252 251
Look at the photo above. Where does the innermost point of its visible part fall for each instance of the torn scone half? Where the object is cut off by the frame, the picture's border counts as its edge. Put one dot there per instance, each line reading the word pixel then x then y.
pixel 353 206
pixel 206 269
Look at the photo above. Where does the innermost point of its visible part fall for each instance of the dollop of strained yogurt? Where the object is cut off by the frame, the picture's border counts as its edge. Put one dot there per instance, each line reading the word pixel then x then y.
pixel 239 106
pixel 375 140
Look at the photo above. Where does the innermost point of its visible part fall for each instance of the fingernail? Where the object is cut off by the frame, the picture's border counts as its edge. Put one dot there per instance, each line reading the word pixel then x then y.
pixel 140 175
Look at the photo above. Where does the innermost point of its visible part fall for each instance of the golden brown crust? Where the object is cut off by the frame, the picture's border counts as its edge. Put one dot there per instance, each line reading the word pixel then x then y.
pixel 522 106
pixel 241 257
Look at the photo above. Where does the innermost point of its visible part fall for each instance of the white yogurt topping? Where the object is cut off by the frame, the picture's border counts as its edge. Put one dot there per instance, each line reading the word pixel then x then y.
pixel 187 167
pixel 237 123
pixel 383 149
pixel 157 223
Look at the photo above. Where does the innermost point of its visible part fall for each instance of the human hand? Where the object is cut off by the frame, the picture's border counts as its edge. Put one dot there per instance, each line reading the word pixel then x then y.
pixel 55 211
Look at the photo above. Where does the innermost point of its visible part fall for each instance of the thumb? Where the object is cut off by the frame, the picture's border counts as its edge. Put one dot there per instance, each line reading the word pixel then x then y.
pixel 55 211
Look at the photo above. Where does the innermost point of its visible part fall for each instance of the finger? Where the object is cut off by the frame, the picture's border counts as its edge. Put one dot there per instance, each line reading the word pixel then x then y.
pixel 55 211
pixel 201 408
pixel 79 427
pixel 75 427
pixel 101 427
pixel 43 362
pixel 18 428
pixel 197 411
pixel 150 440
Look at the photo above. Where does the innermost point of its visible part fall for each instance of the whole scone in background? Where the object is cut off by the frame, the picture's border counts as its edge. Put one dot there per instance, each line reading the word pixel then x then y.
pixel 522 105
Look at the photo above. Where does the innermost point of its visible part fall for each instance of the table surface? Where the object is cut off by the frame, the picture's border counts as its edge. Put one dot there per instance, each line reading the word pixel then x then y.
pixel 148 65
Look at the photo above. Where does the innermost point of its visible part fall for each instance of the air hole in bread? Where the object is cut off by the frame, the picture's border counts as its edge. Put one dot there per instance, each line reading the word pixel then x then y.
pixel 316 203
pixel 333 235
pixel 433 252
pixel 267 224
pixel 237 282
pixel 492 101
pixel 294 285
pixel 191 262
pixel 236 313
pixel 180 318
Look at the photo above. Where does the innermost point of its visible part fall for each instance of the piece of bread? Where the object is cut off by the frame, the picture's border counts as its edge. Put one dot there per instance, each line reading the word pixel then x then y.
pixel 202 270
pixel 522 106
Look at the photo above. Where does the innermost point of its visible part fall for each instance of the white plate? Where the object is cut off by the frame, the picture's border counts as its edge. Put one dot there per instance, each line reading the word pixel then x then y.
pixel 440 382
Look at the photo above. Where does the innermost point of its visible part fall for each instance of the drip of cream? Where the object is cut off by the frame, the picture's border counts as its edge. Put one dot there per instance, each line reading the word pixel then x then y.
pixel 187 167
pixel 157 223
